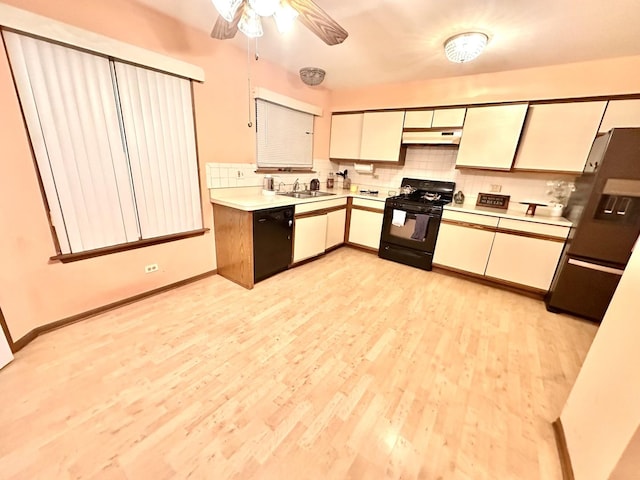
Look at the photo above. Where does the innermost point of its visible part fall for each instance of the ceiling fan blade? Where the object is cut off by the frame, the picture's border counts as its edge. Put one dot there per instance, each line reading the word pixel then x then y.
pixel 317 20
pixel 223 30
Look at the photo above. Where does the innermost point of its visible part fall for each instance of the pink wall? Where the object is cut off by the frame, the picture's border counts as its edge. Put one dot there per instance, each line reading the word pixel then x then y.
pixel 604 77
pixel 35 291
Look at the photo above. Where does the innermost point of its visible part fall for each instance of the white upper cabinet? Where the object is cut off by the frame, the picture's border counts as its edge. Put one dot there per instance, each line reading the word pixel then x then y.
pixel 418 119
pixel 381 136
pixel 558 136
pixel 448 117
pixel 346 136
pixel 490 136
pixel 621 113
pixel 369 136
pixel 441 118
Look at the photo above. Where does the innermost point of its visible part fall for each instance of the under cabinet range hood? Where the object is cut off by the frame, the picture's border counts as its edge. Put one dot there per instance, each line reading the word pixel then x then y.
pixel 432 137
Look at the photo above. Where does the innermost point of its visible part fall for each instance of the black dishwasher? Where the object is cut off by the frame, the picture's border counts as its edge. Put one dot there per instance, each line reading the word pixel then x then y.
pixel 272 241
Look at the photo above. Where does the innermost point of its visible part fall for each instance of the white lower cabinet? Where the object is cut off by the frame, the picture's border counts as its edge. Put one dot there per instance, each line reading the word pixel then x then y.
pixel 524 260
pixel 515 251
pixel 526 253
pixel 463 248
pixel 317 227
pixel 336 221
pixel 309 237
pixel 365 228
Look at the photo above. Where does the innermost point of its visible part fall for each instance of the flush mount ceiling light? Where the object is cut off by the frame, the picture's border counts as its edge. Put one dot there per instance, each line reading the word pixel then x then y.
pixel 312 76
pixel 465 46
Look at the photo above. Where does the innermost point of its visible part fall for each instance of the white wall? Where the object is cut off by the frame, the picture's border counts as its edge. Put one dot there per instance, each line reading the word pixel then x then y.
pixel 602 414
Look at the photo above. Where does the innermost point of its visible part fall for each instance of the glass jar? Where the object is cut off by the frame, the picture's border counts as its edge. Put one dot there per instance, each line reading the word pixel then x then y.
pixel 330 180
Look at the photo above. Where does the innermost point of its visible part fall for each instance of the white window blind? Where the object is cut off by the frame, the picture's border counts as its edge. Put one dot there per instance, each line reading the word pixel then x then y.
pixel 108 179
pixel 70 109
pixel 284 136
pixel 158 121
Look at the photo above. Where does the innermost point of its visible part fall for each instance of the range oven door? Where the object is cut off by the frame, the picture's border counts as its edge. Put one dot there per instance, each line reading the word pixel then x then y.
pixel 411 226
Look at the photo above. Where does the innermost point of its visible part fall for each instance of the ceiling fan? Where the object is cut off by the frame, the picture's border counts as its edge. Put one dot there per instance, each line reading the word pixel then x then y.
pixel 245 15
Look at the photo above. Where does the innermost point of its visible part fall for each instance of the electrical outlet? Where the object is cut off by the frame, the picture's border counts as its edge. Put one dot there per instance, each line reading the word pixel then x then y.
pixel 496 188
pixel 152 267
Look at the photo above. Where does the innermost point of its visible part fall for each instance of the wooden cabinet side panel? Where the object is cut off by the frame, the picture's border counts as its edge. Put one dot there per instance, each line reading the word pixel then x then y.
pixel 463 248
pixel 523 260
pixel 558 136
pixel 234 244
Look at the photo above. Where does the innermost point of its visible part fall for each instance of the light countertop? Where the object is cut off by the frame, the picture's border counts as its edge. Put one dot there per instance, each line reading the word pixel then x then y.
pixel 516 214
pixel 251 198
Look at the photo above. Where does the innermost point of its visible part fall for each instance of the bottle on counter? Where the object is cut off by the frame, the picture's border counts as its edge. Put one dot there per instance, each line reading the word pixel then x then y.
pixel 330 180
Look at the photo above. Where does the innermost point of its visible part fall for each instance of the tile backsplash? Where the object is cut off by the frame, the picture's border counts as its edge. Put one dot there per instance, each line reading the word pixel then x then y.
pixel 223 175
pixel 439 163
pixel 429 162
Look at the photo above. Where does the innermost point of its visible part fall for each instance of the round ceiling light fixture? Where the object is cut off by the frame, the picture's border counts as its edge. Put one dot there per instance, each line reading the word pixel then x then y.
pixel 312 75
pixel 465 46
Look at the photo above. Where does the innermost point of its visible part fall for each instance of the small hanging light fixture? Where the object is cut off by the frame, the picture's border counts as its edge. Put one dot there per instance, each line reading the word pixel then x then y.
pixel 312 75
pixel 465 46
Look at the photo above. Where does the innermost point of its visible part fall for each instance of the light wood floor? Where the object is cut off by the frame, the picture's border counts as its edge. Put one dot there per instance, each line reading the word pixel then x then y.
pixel 347 367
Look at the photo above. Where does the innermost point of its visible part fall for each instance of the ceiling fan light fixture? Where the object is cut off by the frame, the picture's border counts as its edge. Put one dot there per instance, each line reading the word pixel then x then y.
pixel 227 8
pixel 264 8
pixel 312 76
pixel 285 16
pixel 250 24
pixel 465 46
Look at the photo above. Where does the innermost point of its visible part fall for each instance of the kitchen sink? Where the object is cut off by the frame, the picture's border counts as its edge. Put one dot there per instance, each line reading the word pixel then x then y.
pixel 306 194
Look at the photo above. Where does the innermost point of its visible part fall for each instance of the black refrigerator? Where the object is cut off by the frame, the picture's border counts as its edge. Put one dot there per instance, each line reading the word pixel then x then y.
pixel 605 211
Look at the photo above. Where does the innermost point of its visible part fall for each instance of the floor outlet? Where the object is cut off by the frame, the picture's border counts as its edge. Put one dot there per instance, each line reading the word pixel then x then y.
pixel 151 268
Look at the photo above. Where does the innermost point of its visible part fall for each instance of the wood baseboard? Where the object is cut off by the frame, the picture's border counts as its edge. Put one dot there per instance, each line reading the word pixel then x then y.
pixel 563 450
pixel 362 248
pixel 36 332
pixel 492 282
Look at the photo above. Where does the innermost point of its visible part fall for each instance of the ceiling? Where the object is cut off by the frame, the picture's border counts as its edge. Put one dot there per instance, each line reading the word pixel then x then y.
pixel 402 40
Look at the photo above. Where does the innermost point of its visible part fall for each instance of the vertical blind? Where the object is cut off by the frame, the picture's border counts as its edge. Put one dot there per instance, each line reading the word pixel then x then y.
pixel 284 136
pixel 158 122
pixel 114 144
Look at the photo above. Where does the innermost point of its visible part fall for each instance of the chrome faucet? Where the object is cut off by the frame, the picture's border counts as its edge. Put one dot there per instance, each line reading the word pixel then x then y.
pixel 296 185
pixel 281 186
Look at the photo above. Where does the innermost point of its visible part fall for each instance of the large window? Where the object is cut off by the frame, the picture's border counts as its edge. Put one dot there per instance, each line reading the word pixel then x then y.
pixel 114 144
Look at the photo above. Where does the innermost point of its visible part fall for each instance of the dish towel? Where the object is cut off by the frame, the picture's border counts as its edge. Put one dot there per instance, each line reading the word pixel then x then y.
pixel 399 217
pixel 420 230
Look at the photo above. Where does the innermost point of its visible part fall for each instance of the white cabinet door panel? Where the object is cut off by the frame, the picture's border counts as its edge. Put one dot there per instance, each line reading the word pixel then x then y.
pixel 480 147
pixel 558 136
pixel 346 136
pixel 524 260
pixel 309 237
pixel 365 228
pixel 418 119
pixel 448 117
pixel 463 248
pixel 336 221
pixel 621 113
pixel 381 136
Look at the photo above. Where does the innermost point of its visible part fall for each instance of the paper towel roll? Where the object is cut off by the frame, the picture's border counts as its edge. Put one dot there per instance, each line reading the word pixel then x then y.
pixel 363 167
